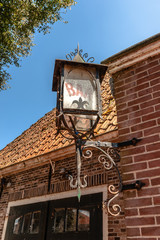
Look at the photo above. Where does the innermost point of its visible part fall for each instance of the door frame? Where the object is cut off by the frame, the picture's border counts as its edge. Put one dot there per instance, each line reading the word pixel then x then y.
pixel 55 196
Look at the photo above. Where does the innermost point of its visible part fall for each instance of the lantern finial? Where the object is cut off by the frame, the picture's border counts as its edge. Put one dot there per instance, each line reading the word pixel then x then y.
pixel 78 56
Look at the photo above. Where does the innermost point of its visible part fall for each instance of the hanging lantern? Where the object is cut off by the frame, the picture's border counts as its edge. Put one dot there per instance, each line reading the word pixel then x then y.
pixel 78 94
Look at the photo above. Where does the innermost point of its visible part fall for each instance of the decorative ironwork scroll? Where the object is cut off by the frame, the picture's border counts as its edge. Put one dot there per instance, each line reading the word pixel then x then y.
pixel 84 56
pixel 108 163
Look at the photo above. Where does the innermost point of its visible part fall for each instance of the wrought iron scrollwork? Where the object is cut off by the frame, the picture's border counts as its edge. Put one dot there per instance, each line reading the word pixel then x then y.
pixel 84 56
pixel 108 163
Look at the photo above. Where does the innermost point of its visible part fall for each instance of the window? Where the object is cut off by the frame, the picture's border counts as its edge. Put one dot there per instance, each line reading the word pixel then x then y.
pixel 61 219
pixel 70 220
pixel 83 220
pixel 58 218
pixel 17 225
pixel 71 217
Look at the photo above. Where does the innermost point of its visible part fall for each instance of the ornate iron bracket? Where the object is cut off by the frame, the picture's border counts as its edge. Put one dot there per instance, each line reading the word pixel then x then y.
pixel 106 158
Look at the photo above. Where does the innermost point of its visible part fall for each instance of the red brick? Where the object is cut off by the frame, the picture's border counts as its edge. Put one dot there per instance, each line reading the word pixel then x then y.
pixel 119 83
pixel 150 210
pixel 147 125
pixel 130 122
pixel 154 163
pixel 140 202
pixel 151 116
pixel 137 89
pixel 128 177
pixel 157 108
pixel 156 94
pixel 121 106
pixel 127 98
pixel 127 74
pixel 151 131
pixel 148 191
pixel 142 238
pixel 150 59
pixel 156 88
pixel 151 231
pixel 148 78
pixel 155 181
pixel 134 167
pixel 124 131
pixel 141 112
pixel 146 67
pixel 140 221
pixel 129 194
pixel 124 137
pixel 158 219
pixel 156 200
pixel 147 156
pixel 134 150
pixel 133 232
pixel 140 100
pixel 131 212
pixel 126 160
pixel 155 82
pixel 126 86
pixel 145 92
pixel 149 173
pixel 128 110
pixel 150 139
pixel 154 69
pixel 137 76
pixel 150 103
pixel 119 95
pixel 122 118
pixel 153 146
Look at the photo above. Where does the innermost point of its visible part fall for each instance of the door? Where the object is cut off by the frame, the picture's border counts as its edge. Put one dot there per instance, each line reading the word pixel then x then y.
pixel 69 219
pixel 63 219
pixel 27 222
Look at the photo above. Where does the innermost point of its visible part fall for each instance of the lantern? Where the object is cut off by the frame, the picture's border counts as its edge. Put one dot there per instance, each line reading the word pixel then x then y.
pixel 78 95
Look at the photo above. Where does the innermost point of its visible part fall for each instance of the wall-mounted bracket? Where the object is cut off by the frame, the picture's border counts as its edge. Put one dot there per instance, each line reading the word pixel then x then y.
pixel 137 185
pixel 133 142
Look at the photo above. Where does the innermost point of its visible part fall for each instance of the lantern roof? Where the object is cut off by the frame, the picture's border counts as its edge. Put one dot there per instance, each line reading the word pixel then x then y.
pixel 60 63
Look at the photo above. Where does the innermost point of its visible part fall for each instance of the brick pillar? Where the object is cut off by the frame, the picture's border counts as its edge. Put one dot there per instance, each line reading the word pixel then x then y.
pixel 137 93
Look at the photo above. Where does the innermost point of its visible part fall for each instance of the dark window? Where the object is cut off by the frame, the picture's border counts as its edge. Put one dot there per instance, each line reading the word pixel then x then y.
pixel 58 220
pixel 71 217
pixel 83 220
pixel 62 219
pixel 17 225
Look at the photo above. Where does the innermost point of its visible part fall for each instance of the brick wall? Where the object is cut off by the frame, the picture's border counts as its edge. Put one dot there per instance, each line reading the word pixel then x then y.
pixel 137 93
pixel 34 182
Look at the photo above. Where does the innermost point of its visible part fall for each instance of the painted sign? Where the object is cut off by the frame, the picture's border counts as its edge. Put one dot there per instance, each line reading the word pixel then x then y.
pixel 79 94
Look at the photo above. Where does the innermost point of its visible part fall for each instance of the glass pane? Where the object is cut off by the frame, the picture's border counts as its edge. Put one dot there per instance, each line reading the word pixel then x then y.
pixel 35 222
pixel 58 216
pixel 79 94
pixel 84 220
pixel 71 217
pixel 26 223
pixel 17 225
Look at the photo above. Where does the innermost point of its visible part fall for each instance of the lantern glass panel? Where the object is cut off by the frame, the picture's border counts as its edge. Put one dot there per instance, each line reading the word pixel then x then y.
pixel 80 93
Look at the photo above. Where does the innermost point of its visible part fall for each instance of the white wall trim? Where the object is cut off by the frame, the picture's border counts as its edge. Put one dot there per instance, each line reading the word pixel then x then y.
pixel 55 196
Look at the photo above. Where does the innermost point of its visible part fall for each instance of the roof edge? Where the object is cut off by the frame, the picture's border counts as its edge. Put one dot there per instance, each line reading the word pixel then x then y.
pixel 132 48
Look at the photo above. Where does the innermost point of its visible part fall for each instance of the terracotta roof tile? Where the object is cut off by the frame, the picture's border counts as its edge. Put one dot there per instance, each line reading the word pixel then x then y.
pixel 41 137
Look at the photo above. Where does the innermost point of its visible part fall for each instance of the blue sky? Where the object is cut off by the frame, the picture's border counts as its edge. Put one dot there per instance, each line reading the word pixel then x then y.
pixel 102 28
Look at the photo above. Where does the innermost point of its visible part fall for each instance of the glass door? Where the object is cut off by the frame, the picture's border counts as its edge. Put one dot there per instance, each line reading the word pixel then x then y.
pixel 69 219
